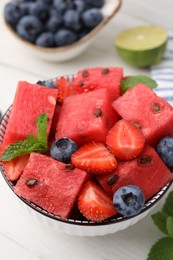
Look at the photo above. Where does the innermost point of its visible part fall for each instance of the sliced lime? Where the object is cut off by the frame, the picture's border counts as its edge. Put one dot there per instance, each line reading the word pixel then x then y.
pixel 142 46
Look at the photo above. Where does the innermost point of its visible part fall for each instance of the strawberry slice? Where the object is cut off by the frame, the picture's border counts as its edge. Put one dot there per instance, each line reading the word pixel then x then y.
pixel 14 168
pixel 125 140
pixel 94 158
pixel 94 203
pixel 65 89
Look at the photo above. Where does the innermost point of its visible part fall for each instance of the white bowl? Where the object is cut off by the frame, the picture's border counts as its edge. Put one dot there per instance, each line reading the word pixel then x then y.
pixel 78 227
pixel 60 54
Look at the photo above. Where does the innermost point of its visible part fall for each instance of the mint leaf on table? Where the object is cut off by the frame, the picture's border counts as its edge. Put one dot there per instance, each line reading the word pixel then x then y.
pixel 162 249
pixel 169 224
pixel 131 81
pixel 168 205
pixel 31 143
pixel 160 220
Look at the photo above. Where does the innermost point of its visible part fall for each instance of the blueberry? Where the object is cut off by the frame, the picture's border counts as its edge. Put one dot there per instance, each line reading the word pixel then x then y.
pixel 91 17
pixel 39 10
pixel 80 6
pixel 26 1
pixel 72 20
pixel 165 150
pixel 25 6
pixel 29 27
pixel 62 5
pixel 12 13
pixel 63 149
pixel 95 3
pixel 47 2
pixel 128 200
pixel 65 37
pixel 45 39
pixel 46 83
pixel 54 22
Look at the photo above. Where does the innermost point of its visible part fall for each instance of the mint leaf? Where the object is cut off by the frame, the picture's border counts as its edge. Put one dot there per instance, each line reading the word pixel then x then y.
pixel 170 225
pixel 31 143
pixel 131 81
pixel 162 250
pixel 41 123
pixel 160 220
pixel 168 205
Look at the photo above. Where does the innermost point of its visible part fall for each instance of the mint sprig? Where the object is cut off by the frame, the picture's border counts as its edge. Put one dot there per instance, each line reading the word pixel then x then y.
pixel 31 143
pixel 131 81
pixel 163 248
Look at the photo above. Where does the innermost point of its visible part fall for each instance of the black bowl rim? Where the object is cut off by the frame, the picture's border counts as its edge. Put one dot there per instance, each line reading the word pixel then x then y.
pixel 114 220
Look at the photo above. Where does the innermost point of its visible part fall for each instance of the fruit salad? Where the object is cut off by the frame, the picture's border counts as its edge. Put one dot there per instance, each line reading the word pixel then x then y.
pixel 97 143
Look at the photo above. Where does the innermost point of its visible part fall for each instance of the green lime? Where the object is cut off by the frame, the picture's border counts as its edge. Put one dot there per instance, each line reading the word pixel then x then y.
pixel 142 46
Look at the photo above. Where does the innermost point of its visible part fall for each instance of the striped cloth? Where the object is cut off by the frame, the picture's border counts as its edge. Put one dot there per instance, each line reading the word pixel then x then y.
pixel 163 73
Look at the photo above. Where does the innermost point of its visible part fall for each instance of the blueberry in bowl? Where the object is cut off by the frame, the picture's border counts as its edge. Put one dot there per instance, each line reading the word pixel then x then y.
pixel 58 30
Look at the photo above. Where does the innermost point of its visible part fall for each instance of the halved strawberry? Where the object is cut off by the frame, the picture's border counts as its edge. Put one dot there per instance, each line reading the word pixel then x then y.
pixel 94 158
pixel 65 89
pixel 125 140
pixel 94 203
pixel 15 167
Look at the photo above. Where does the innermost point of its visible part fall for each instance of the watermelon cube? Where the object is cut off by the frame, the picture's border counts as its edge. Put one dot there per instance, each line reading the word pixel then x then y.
pixel 147 171
pixel 50 184
pixel 151 113
pixel 86 117
pixel 90 79
pixel 31 100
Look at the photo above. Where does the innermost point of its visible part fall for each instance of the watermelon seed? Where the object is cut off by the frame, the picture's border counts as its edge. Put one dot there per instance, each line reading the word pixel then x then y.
pixel 81 84
pixel 145 159
pixel 69 166
pixel 105 71
pixel 31 182
pixel 156 107
pixel 85 73
pixel 136 124
pixel 98 112
pixel 112 179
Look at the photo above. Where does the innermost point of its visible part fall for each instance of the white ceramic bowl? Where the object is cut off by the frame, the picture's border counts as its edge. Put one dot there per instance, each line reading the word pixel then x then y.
pixel 78 227
pixel 60 54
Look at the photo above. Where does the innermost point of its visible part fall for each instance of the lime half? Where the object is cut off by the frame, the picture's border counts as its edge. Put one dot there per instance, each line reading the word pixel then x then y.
pixel 142 46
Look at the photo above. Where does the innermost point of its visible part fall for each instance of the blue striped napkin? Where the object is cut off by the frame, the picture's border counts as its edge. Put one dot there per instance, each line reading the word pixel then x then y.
pixel 163 73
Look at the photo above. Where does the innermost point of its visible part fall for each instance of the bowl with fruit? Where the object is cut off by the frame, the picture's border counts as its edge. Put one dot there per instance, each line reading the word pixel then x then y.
pixel 92 153
pixel 58 30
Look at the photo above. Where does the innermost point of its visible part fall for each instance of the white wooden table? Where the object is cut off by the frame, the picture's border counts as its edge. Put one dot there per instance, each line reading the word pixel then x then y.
pixel 20 236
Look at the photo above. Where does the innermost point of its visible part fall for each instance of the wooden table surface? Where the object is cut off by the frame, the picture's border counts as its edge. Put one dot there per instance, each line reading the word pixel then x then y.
pixel 21 237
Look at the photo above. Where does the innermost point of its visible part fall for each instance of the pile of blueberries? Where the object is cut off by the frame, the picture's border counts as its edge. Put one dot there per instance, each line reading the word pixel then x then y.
pixel 53 23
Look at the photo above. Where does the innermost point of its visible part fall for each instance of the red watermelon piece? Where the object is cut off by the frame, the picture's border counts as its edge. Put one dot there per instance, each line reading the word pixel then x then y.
pixel 151 113
pixel 31 100
pixel 86 117
pixel 90 79
pixel 53 185
pixel 147 171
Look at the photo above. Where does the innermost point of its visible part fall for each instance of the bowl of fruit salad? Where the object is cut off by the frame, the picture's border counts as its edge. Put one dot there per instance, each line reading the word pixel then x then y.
pixel 89 156
pixel 58 30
